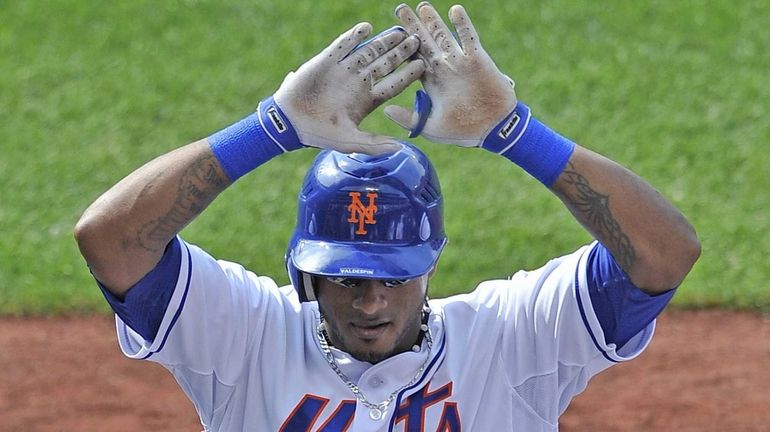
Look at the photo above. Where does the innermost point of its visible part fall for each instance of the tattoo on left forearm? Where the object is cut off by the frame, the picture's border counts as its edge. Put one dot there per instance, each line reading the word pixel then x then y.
pixel 594 210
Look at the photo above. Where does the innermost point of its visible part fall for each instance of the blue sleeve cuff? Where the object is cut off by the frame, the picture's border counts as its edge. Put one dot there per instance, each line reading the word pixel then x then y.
pixel 145 303
pixel 622 308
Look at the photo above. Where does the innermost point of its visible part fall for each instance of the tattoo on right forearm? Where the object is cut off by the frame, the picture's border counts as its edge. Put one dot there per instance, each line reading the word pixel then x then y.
pixel 594 210
pixel 198 186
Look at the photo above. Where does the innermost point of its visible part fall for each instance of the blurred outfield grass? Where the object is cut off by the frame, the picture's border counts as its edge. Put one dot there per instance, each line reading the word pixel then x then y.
pixel 676 91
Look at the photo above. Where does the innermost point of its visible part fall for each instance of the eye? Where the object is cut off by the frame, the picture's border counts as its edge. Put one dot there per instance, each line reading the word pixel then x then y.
pixel 394 283
pixel 349 283
pixel 353 283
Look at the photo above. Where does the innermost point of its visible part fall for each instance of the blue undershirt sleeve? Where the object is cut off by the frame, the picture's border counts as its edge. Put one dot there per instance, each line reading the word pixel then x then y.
pixel 623 309
pixel 145 303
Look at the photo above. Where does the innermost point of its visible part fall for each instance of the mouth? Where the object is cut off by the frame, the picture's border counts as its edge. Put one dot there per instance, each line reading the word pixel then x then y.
pixel 369 331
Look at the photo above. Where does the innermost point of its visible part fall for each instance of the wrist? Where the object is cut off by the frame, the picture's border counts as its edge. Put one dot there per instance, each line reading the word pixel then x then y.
pixel 524 140
pixel 254 140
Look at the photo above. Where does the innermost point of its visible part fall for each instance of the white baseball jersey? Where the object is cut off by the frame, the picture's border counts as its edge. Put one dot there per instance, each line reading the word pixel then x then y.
pixel 508 356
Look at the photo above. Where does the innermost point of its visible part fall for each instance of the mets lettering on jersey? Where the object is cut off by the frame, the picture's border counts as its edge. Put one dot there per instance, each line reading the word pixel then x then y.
pixel 361 214
pixel 412 415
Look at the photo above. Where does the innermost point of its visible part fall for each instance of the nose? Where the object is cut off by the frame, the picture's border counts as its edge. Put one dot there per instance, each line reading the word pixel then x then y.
pixel 370 297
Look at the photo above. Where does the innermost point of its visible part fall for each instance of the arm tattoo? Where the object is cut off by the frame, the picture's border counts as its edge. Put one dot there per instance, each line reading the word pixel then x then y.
pixel 594 210
pixel 197 187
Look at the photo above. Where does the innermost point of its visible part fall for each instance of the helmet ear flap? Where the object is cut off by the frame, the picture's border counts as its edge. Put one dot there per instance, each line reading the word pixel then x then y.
pixel 302 282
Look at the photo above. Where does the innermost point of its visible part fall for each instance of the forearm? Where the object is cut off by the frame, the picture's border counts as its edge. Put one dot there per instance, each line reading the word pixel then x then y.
pixel 122 235
pixel 651 240
pixel 647 236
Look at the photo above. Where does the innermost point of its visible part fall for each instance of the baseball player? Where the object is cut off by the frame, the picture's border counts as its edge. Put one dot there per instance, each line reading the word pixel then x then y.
pixel 353 343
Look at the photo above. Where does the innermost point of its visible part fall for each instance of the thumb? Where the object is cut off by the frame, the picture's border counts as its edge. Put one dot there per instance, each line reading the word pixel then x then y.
pixel 404 117
pixel 412 121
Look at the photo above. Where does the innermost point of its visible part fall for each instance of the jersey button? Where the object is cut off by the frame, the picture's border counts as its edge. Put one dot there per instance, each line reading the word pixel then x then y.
pixel 376 381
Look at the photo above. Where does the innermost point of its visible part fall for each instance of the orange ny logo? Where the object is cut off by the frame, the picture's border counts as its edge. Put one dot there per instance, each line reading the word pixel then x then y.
pixel 360 214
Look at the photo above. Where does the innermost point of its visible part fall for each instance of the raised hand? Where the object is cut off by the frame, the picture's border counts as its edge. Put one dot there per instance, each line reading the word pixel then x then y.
pixel 327 97
pixel 468 92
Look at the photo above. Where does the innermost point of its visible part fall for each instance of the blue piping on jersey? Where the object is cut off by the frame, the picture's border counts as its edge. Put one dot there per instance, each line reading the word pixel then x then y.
pixel 583 313
pixel 419 382
pixel 181 303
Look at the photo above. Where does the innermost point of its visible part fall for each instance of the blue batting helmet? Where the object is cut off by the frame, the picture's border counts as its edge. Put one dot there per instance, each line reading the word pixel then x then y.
pixel 378 217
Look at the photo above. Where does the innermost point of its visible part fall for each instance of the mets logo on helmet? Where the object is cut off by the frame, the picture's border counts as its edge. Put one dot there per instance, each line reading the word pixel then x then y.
pixel 360 214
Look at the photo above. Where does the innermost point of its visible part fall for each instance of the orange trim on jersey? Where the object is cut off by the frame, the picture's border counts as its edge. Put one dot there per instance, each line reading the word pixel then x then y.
pixel 323 401
pixel 444 425
pixel 425 394
pixel 334 415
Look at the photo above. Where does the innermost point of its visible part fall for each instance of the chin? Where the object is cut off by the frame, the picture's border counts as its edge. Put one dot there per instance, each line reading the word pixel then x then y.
pixel 373 353
pixel 370 356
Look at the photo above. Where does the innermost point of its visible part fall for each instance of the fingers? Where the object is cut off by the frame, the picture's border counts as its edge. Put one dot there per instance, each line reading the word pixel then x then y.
pixel 394 83
pixel 413 25
pixel 466 33
pixel 347 41
pixel 350 140
pixel 437 29
pixel 369 51
pixel 363 142
pixel 390 62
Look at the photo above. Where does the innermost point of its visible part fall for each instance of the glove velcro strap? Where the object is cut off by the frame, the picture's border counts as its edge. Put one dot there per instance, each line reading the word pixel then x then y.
pixel 530 144
pixel 254 140
pixel 277 125
pixel 422 106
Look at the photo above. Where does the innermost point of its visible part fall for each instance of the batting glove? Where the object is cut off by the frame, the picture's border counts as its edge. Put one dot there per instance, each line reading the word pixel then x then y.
pixel 326 99
pixel 469 94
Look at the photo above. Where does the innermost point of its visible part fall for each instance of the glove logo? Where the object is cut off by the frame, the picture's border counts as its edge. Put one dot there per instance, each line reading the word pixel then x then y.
pixel 360 214
pixel 506 130
pixel 276 119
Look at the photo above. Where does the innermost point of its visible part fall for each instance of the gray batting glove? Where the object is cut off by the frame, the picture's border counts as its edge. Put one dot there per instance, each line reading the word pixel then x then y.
pixel 327 97
pixel 468 92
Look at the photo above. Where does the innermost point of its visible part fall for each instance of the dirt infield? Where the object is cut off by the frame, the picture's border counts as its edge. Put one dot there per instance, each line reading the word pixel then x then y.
pixel 705 371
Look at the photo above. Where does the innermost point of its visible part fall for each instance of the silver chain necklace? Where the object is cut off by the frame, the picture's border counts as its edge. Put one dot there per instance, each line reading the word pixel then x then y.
pixel 376 411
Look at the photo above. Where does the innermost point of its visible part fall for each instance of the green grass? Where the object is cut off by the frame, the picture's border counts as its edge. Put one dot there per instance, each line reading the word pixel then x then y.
pixel 677 91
